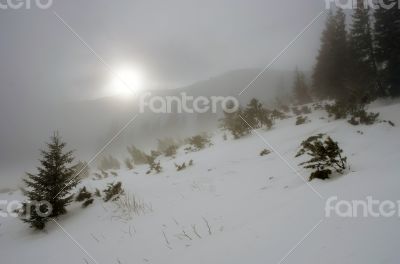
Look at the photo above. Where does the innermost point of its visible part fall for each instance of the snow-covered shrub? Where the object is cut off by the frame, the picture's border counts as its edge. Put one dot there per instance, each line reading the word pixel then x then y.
pixel 276 114
pixel 257 115
pixel 198 142
pixel 128 164
pixel 301 120
pixel 167 146
pixel 338 110
pixel 363 118
pixel 113 191
pixel 109 163
pixel 296 111
pixel 170 151
pixel 318 106
pixel 155 153
pixel 265 152
pixel 180 167
pixel 138 156
pixel 233 123
pixel 153 165
pixel 240 123
pixel 326 156
pixel 306 110
pixel 83 195
pixel 87 202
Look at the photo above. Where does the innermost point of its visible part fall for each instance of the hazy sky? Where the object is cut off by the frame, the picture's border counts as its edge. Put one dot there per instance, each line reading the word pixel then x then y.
pixel 174 42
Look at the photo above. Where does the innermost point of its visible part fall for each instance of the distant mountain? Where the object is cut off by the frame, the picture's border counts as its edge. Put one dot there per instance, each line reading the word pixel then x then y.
pixel 89 124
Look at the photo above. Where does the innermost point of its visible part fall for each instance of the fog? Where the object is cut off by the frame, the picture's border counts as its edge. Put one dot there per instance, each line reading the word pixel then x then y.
pixel 51 81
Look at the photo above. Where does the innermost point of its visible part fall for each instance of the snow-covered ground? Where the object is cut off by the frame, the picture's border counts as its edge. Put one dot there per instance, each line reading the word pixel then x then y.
pixel 234 206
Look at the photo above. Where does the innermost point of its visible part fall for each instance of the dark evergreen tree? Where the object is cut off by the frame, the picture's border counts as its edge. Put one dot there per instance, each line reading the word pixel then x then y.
pixel 387 36
pixel 325 156
pixel 257 115
pixel 53 183
pixel 330 73
pixel 300 88
pixel 364 80
pixel 234 123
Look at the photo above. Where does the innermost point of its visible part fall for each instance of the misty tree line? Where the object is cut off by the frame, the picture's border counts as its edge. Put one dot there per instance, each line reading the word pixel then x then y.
pixel 362 63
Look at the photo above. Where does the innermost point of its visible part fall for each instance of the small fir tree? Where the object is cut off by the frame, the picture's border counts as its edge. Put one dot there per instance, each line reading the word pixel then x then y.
pixel 53 184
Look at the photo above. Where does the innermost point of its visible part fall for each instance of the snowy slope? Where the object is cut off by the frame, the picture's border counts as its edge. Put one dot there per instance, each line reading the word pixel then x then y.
pixel 257 208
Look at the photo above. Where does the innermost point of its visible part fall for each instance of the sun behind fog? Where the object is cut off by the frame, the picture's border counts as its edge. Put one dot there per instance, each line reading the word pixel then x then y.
pixel 126 81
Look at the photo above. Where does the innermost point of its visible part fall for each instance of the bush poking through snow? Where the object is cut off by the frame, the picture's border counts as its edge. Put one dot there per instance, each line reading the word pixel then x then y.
pixel 87 202
pixel 257 115
pixel 167 146
pixel 113 191
pixel 183 165
pixel 170 151
pixel 128 164
pixel 306 110
pixel 338 110
pixel 240 123
pixel 109 163
pixel 265 152
pixel 296 111
pixel 276 114
pixel 326 156
pixel 154 166
pixel 198 142
pixel 83 194
pixel 180 167
pixel 138 156
pixel 234 123
pixel 361 117
pixel 301 120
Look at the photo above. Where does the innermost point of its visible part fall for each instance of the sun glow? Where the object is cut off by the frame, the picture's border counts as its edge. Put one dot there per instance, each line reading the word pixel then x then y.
pixel 126 82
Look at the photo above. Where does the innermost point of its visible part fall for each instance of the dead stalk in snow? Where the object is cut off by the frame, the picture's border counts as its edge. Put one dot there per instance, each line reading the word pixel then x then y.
pixel 195 231
pixel 208 226
pixel 129 205
pixel 95 238
pixel 165 237
pixel 186 235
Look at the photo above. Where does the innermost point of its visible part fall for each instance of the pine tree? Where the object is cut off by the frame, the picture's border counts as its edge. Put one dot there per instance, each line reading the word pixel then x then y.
pixel 257 115
pixel 387 36
pixel 330 73
pixel 300 89
pixel 234 123
pixel 364 80
pixel 53 183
